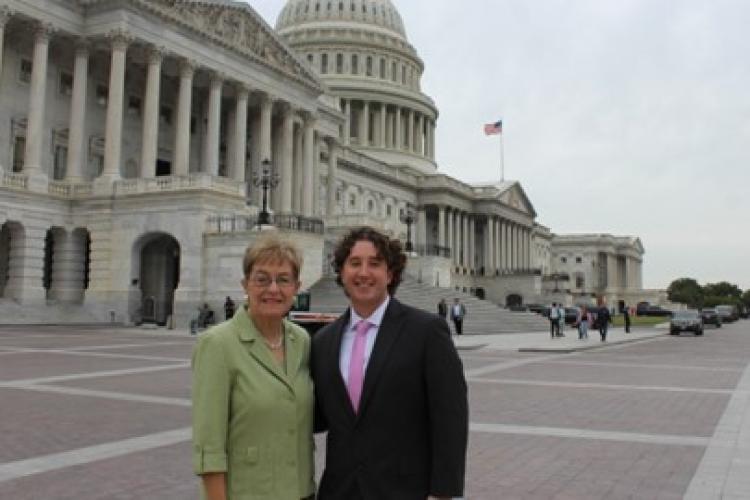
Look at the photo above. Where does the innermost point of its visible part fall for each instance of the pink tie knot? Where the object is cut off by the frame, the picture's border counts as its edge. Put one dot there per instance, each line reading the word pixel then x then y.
pixel 357 363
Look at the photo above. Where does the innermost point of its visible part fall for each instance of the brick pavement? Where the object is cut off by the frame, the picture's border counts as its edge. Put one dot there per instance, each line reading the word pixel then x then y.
pixel 104 414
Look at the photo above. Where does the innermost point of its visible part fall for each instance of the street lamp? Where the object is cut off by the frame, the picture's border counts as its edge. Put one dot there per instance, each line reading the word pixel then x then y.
pixel 407 218
pixel 265 180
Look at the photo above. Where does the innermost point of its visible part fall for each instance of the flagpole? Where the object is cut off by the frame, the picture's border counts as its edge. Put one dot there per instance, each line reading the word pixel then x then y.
pixel 502 159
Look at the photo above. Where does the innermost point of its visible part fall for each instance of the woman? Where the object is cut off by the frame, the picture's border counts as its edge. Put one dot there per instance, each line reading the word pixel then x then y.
pixel 583 321
pixel 252 392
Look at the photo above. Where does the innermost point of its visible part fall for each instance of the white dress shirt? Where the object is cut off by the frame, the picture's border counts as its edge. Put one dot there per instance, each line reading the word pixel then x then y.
pixel 347 341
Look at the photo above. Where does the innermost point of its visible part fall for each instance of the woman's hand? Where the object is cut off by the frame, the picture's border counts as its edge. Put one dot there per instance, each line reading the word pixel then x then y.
pixel 216 485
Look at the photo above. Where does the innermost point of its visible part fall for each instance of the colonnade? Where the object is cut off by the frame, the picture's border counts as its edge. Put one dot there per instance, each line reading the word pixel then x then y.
pixel 276 126
pixel 388 126
pixel 505 244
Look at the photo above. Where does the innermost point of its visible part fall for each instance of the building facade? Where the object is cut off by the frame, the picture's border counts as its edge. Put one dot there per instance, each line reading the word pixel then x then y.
pixel 134 133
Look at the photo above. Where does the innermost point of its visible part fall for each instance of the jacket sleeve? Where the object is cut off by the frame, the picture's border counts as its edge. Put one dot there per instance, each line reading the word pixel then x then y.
pixel 211 400
pixel 448 412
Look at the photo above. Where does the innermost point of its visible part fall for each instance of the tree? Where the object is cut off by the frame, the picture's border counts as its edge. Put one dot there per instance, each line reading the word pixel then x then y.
pixel 746 298
pixel 686 291
pixel 723 289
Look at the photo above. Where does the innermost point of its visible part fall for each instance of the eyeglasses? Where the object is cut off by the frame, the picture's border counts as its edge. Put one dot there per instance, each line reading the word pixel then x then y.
pixel 264 281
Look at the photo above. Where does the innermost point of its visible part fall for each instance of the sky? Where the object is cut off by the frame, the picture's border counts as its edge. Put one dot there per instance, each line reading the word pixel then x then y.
pixel 629 117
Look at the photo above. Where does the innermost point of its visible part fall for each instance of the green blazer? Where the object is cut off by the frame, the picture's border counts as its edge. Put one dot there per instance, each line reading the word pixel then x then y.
pixel 252 419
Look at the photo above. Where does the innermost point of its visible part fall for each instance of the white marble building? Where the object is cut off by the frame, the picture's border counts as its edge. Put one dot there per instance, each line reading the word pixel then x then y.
pixel 131 132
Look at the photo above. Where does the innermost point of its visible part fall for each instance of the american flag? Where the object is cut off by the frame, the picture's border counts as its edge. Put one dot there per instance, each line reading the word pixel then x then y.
pixel 494 128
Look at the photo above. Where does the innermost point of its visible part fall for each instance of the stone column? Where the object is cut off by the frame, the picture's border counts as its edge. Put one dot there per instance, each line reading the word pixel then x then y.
pixel 465 231
pixel 431 139
pixel 77 126
pixel 364 124
pixel 266 147
pixel 287 160
pixel 489 247
pixel 333 152
pixel 37 97
pixel 317 208
pixel 441 227
pixel 297 168
pixel 472 243
pixel 151 103
pixel 184 110
pixel 383 120
pixel 410 135
pixel 506 246
pixel 308 174
pixel 68 261
pixel 398 134
pixel 421 236
pixel 26 266
pixel 419 138
pixel 5 14
pixel 346 136
pixel 449 242
pixel 239 158
pixel 115 105
pixel 214 125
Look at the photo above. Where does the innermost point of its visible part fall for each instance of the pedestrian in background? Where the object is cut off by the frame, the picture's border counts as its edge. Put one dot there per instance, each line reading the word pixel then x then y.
pixel 583 321
pixel 554 321
pixel 603 319
pixel 561 316
pixel 443 309
pixel 626 318
pixel 458 312
pixel 228 308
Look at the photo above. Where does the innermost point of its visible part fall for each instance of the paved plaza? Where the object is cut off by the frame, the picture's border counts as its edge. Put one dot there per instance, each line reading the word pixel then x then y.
pixel 92 413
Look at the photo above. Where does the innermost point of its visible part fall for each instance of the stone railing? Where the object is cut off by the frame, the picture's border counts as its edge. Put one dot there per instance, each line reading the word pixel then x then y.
pixel 433 251
pixel 354 220
pixel 13 180
pixel 70 190
pixel 179 183
pixel 240 223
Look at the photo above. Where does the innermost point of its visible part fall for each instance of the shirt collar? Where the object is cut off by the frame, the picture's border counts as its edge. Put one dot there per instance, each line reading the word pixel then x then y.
pixel 375 318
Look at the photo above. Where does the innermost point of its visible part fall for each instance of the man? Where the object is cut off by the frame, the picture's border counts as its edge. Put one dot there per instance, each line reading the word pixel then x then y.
pixel 229 308
pixel 603 318
pixel 389 386
pixel 626 318
pixel 554 321
pixel 560 320
pixel 458 311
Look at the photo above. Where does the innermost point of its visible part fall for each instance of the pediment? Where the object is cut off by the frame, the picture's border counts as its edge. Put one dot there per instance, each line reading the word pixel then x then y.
pixel 238 27
pixel 513 195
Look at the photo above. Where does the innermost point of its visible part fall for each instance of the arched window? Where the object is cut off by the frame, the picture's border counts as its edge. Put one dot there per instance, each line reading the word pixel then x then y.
pixel 324 64
pixel 370 206
pixel 369 65
pixel 339 63
pixel 382 68
pixel 394 71
pixel 355 64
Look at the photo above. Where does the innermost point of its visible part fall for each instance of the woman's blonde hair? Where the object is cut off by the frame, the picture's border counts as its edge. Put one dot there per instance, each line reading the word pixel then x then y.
pixel 272 248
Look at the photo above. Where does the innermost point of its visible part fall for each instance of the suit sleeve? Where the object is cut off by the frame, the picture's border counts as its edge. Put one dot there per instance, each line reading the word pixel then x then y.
pixel 447 401
pixel 320 423
pixel 211 400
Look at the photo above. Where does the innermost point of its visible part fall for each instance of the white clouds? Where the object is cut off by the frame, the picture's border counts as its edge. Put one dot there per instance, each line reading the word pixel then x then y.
pixel 626 116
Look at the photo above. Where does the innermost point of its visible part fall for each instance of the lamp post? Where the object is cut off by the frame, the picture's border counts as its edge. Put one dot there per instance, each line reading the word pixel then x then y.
pixel 408 218
pixel 265 180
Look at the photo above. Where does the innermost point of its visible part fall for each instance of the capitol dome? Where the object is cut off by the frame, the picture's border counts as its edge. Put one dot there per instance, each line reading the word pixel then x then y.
pixel 359 48
pixel 372 12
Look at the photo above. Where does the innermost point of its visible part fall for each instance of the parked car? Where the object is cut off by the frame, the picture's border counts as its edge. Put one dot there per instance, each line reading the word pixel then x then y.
pixel 711 317
pixel 654 311
pixel 686 321
pixel 537 308
pixel 571 315
pixel 727 313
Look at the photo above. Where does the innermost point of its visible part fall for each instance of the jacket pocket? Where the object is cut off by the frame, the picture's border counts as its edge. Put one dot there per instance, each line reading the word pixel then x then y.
pixel 251 471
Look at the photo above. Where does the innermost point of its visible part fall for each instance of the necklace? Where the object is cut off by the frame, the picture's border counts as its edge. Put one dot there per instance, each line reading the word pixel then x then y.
pixel 275 346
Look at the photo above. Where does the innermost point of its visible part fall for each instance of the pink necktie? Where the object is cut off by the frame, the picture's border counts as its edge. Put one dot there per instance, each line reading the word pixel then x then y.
pixel 357 364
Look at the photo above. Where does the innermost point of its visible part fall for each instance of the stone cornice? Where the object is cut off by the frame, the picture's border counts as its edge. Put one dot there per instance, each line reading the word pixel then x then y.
pixel 234 26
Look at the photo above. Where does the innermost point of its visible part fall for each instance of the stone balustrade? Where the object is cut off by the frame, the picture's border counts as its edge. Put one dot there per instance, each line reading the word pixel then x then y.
pixel 14 180
pixel 179 183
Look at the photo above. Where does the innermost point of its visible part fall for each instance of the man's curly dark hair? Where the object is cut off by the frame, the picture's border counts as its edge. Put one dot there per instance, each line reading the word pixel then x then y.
pixel 389 249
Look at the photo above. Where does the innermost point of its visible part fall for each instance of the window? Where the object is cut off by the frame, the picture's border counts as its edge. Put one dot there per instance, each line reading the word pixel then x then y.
pixel 369 66
pixel 564 260
pixel 394 72
pixel 134 105
pixel 579 260
pixel 388 210
pixel 24 71
pixel 355 64
pixel 338 196
pixel 65 85
pixel 339 63
pixel 165 115
pixel 352 200
pixel 60 162
pixel 324 64
pixel 310 59
pixel 370 206
pixel 102 94
pixel 19 149
pixel 382 69
pixel 580 281
pixel 403 74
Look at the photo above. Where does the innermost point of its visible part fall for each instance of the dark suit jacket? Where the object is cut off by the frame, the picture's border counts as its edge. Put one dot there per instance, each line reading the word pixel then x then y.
pixel 408 440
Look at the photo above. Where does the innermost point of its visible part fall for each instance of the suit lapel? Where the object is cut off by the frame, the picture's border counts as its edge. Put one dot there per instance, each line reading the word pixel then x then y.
pixel 389 331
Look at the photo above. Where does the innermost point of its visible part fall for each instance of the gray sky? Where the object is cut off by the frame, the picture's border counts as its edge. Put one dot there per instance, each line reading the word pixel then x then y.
pixel 629 117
